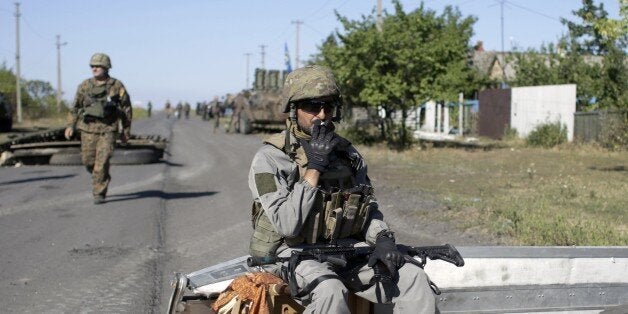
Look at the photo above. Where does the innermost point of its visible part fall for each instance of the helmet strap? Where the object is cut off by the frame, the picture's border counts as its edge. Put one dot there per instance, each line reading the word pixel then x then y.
pixel 293 113
pixel 338 115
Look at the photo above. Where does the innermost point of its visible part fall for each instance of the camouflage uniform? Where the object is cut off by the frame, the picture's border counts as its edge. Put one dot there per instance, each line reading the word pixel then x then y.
pixel 186 110
pixel 216 113
pixel 240 103
pixel 98 135
pixel 289 213
pixel 168 109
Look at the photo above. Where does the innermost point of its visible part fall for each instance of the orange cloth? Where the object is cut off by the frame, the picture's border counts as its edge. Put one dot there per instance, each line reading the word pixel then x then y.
pixel 251 287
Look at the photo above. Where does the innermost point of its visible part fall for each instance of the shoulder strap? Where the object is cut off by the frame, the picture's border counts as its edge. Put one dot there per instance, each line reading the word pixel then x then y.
pixel 282 142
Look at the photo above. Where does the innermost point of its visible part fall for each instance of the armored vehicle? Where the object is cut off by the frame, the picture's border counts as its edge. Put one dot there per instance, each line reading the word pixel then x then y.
pixel 6 114
pixel 261 109
pixel 50 147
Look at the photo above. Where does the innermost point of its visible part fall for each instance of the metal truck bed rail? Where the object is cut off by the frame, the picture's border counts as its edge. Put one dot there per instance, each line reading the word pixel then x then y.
pixel 495 279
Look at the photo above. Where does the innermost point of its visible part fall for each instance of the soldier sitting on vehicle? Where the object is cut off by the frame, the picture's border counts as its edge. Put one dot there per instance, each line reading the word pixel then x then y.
pixel 311 188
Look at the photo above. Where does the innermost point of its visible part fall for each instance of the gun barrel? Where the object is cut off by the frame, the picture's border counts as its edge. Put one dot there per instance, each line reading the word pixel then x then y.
pixel 259 261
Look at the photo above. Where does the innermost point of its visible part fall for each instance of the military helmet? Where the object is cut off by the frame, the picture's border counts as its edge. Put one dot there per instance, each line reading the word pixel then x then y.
pixel 100 59
pixel 312 81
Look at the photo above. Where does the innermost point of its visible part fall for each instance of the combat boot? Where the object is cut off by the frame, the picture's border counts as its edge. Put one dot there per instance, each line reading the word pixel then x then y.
pixel 99 199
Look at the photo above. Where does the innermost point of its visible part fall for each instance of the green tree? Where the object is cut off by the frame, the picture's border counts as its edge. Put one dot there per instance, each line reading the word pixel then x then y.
pixel 418 56
pixel 592 56
pixel 38 97
pixel 598 35
pixel 43 100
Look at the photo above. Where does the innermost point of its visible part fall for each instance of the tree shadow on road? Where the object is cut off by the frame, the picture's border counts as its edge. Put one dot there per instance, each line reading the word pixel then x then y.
pixel 38 179
pixel 157 194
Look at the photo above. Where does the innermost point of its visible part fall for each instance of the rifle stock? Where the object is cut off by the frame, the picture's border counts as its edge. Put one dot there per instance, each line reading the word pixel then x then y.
pixel 446 252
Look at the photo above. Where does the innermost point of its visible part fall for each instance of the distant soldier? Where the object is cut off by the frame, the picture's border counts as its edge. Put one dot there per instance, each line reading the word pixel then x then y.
pixel 149 108
pixel 240 104
pixel 186 110
pixel 216 113
pixel 168 109
pixel 100 104
pixel 205 111
pixel 178 112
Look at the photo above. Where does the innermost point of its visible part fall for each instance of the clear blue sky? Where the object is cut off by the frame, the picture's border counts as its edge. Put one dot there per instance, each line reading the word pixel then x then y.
pixel 191 50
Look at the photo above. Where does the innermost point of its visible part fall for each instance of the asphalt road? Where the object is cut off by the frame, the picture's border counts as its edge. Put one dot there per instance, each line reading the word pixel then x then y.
pixel 61 253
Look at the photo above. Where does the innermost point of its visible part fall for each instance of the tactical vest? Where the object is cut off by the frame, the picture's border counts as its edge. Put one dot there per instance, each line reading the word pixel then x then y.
pixel 341 208
pixel 97 104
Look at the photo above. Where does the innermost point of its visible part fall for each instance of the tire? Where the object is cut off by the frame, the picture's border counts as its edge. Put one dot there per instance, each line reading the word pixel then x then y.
pixel 245 126
pixel 6 125
pixel 120 157
pixel 133 156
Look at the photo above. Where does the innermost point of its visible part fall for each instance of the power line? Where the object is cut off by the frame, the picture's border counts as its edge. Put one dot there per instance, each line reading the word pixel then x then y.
pixel 531 10
pixel 319 9
pixel 33 30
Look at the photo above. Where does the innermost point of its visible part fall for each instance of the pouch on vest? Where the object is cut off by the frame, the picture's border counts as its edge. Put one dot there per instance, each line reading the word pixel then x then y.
pixel 95 110
pixel 333 212
pixel 98 105
pixel 348 215
pixel 265 240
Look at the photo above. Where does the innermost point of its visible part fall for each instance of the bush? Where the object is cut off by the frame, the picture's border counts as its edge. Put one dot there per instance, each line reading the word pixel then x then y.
pixel 614 131
pixel 547 135
pixel 139 113
pixel 510 134
pixel 361 133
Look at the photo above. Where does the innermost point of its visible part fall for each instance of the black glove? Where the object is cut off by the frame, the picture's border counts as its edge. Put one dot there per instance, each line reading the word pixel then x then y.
pixel 387 253
pixel 320 146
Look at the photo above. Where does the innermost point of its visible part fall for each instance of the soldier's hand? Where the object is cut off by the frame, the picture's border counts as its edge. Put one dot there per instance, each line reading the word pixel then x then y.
pixel 320 146
pixel 69 131
pixel 386 252
pixel 124 137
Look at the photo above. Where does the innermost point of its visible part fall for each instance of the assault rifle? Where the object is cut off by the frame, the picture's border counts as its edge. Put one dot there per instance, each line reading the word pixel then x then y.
pixel 340 255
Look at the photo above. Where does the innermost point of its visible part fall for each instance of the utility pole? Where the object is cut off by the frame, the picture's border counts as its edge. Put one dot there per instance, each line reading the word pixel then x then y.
pixel 18 90
pixel 298 23
pixel 263 54
pixel 59 89
pixel 248 54
pixel 378 22
pixel 501 2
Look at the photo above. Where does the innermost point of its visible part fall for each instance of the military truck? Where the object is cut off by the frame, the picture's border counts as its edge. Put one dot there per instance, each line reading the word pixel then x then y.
pixel 260 109
pixel 494 279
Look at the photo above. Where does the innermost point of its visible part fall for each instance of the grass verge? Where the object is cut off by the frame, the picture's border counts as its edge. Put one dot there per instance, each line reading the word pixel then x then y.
pixel 572 195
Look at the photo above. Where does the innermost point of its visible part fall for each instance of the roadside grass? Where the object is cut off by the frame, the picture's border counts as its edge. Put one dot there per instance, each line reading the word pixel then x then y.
pixel 570 195
pixel 139 113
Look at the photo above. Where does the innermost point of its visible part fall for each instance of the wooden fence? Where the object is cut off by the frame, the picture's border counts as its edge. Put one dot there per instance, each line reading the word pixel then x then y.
pixel 588 126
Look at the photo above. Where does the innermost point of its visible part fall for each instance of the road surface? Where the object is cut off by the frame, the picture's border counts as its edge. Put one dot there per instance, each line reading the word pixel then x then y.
pixel 62 253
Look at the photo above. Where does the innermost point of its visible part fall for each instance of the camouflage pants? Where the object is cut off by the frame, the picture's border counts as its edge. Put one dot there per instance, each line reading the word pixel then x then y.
pixel 96 150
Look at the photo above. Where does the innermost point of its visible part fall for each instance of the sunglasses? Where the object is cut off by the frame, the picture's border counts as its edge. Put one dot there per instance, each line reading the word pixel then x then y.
pixel 314 106
pixel 95 66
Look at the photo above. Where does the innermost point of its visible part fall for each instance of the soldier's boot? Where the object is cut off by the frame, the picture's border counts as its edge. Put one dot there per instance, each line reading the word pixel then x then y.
pixel 89 168
pixel 99 199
